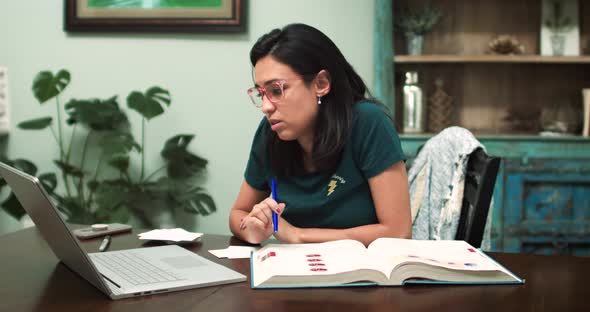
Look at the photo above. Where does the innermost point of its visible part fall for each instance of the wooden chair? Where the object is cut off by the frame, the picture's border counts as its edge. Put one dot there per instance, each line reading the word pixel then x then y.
pixel 480 179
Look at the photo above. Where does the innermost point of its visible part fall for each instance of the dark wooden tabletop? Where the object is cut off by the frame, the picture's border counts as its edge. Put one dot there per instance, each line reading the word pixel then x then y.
pixel 32 279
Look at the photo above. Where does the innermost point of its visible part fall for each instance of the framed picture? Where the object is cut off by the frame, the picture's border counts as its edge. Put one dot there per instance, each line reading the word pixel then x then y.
pixel 155 15
pixel 560 28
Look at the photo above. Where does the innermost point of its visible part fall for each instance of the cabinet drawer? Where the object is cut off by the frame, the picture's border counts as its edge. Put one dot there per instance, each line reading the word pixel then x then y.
pixel 547 207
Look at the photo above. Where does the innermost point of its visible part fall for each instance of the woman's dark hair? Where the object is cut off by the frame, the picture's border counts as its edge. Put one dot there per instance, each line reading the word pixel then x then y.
pixel 307 51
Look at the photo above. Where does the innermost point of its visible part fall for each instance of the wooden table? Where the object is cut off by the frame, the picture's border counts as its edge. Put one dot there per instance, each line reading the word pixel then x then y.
pixel 32 279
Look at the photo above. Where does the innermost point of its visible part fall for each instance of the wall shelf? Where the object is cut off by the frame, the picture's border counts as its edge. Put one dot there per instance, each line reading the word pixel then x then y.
pixel 509 94
pixel 451 58
pixel 503 100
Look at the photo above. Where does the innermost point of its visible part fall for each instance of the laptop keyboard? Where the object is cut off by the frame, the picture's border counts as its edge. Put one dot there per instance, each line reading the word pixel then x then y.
pixel 133 268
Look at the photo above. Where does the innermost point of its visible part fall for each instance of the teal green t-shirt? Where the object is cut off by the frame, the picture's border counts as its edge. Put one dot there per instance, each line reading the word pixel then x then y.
pixel 343 199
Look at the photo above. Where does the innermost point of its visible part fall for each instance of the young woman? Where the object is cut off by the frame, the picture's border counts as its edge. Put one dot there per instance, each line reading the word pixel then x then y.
pixel 333 152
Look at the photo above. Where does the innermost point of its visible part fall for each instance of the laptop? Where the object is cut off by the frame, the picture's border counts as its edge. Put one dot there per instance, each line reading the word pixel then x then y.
pixel 118 274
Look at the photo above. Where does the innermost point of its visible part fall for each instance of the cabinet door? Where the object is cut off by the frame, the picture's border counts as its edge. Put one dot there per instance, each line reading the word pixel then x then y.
pixel 547 207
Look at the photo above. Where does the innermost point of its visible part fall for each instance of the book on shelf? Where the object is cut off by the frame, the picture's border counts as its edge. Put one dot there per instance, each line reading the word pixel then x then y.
pixel 385 262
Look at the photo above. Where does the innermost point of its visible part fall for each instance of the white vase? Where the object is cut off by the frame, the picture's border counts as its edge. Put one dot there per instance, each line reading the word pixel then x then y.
pixel 558 44
pixel 415 43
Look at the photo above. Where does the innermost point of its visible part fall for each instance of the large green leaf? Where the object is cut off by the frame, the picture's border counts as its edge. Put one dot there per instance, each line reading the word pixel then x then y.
pixel 93 185
pixel 120 162
pixel 75 211
pixel 36 124
pixel 146 200
pixel 69 169
pixel 118 143
pixel 97 114
pixel 157 189
pixel 21 164
pixel 46 85
pixel 149 104
pixel 24 165
pixel 120 214
pixel 182 164
pixel 197 201
pixel 177 142
pixel 110 195
pixel 13 207
pixel 49 181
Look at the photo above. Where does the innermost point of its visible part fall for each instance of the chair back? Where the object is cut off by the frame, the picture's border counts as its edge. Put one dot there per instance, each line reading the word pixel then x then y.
pixel 480 179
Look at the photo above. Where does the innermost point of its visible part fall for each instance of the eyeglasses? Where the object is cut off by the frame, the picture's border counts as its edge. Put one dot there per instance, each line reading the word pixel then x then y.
pixel 274 92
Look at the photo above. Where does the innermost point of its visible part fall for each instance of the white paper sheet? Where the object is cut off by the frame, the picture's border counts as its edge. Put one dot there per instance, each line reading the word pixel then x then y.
pixel 234 252
pixel 172 235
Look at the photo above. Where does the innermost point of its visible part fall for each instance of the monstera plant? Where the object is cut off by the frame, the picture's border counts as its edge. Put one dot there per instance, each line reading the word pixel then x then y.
pixel 99 181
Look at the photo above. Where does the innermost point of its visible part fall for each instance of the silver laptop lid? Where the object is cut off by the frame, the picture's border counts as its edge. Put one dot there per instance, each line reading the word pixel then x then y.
pixel 36 202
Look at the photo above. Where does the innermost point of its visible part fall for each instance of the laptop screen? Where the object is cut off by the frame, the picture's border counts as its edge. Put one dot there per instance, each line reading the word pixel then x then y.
pixel 46 217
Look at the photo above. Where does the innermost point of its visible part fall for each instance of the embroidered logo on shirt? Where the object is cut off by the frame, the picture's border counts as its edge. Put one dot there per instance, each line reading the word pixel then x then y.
pixel 332 186
pixel 334 183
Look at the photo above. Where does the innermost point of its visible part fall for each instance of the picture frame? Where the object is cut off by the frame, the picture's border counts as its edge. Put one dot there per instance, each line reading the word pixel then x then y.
pixel 560 28
pixel 155 16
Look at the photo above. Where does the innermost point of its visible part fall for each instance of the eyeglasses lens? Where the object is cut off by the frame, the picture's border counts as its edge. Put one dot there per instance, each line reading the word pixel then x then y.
pixel 273 92
pixel 255 96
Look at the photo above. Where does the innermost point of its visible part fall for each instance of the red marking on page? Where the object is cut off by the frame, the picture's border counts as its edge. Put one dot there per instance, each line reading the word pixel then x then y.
pixel 268 255
pixel 319 269
pixel 471 249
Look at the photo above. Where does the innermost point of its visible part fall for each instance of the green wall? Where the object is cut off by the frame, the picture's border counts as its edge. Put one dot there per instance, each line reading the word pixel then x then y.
pixel 206 74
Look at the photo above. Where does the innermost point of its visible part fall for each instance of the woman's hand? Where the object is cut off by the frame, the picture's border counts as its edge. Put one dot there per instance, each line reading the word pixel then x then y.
pixel 257 225
pixel 288 234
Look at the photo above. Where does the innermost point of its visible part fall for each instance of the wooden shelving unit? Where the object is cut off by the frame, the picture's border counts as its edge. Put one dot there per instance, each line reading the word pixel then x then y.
pixel 543 180
pixel 504 94
pixel 450 58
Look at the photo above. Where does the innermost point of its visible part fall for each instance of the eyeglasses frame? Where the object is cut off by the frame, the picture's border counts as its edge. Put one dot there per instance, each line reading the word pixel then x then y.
pixel 262 90
pixel 281 85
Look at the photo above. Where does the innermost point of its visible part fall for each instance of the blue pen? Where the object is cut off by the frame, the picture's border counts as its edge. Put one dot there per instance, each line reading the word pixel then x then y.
pixel 275 217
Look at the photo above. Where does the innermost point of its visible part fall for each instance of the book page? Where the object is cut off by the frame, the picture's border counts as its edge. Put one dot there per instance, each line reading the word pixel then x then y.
pixel 389 253
pixel 308 259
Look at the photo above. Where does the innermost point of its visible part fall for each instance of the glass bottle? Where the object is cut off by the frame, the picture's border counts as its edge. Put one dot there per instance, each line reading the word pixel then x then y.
pixel 414 113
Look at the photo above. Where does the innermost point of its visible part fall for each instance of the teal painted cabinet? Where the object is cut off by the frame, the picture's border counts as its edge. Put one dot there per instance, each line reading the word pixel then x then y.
pixel 546 207
pixel 542 193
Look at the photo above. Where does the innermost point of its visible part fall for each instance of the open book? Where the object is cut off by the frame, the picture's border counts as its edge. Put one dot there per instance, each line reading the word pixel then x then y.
pixel 387 261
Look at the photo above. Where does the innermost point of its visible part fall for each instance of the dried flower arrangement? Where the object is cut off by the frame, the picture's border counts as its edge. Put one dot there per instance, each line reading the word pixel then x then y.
pixel 506 45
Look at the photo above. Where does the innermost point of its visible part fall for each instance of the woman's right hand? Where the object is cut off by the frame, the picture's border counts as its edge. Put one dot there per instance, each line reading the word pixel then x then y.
pixel 257 225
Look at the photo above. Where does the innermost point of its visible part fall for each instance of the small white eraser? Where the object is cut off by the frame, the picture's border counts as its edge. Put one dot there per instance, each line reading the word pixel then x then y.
pixel 99 227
